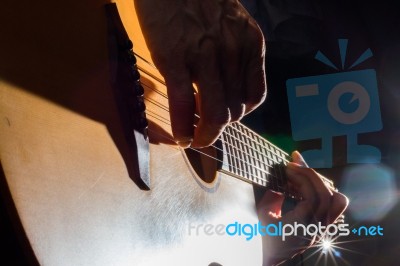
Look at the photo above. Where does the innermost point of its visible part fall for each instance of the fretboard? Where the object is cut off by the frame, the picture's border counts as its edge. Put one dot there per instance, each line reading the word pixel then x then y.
pixel 250 157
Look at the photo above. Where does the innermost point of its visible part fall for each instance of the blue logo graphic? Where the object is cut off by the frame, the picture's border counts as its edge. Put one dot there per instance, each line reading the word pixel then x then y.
pixel 368 231
pixel 338 104
pixel 249 231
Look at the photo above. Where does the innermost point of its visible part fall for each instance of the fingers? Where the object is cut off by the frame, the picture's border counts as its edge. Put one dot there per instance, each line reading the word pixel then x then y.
pixel 214 112
pixel 339 205
pixel 256 88
pixel 231 81
pixel 298 158
pixel 182 106
pixel 232 70
pixel 220 48
pixel 320 202
pixel 305 209
pixel 318 196
pixel 269 207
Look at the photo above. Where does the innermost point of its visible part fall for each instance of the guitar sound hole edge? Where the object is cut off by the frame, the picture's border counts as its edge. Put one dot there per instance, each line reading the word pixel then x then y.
pixel 205 162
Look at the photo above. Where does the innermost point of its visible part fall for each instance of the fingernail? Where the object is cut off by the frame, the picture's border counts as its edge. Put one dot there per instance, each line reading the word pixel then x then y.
pixel 292 165
pixel 184 144
pixel 301 159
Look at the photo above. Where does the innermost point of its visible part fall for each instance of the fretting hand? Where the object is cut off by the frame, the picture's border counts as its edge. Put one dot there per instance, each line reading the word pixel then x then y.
pixel 319 204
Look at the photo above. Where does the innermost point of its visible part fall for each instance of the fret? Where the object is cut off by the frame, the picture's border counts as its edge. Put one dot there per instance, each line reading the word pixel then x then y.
pixel 275 162
pixel 233 145
pixel 249 157
pixel 262 159
pixel 271 155
pixel 241 150
pixel 283 156
pixel 281 182
pixel 230 162
pixel 252 158
pixel 259 156
pixel 262 155
pixel 254 154
pixel 266 156
pixel 238 152
pixel 251 154
pixel 227 153
pixel 272 162
pixel 233 152
pixel 235 169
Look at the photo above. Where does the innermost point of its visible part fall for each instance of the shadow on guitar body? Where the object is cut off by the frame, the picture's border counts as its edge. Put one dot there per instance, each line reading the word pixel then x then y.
pixel 60 52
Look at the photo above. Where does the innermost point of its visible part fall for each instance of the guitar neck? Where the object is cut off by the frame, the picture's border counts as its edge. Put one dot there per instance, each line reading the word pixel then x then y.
pixel 251 158
pixel 242 153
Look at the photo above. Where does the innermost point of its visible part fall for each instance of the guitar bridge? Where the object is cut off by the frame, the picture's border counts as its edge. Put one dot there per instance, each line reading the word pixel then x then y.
pixel 128 92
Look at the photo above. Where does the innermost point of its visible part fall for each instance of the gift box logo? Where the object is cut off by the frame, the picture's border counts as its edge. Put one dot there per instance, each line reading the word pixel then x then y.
pixel 338 104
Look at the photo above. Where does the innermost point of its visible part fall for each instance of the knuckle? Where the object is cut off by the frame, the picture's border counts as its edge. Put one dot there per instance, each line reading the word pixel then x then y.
pixel 314 201
pixel 341 200
pixel 255 35
pixel 325 200
pixel 179 97
pixel 309 172
pixel 237 112
pixel 260 95
pixel 178 101
pixel 256 99
pixel 313 174
pixel 181 105
pixel 219 118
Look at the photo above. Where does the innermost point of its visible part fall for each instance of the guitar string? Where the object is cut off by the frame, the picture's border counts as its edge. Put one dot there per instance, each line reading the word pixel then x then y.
pixel 275 186
pixel 245 162
pixel 278 176
pixel 166 97
pixel 227 143
pixel 283 158
pixel 253 157
pixel 231 165
pixel 263 140
pixel 287 157
pixel 258 153
pixel 265 145
pixel 258 144
pixel 260 162
pixel 234 157
pixel 150 113
pixel 243 126
pixel 246 173
pixel 227 164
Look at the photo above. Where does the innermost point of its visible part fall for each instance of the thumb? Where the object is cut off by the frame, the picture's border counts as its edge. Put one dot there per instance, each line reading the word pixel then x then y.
pixel 297 158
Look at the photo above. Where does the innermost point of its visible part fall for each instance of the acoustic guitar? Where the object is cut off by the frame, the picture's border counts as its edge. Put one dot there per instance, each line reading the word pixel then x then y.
pixel 70 168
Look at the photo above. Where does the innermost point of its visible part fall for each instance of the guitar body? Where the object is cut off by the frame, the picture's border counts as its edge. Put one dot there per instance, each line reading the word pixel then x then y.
pixel 64 156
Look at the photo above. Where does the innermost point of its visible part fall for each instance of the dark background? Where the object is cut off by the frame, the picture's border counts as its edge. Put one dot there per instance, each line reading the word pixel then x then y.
pixel 294 35
pixel 295 31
